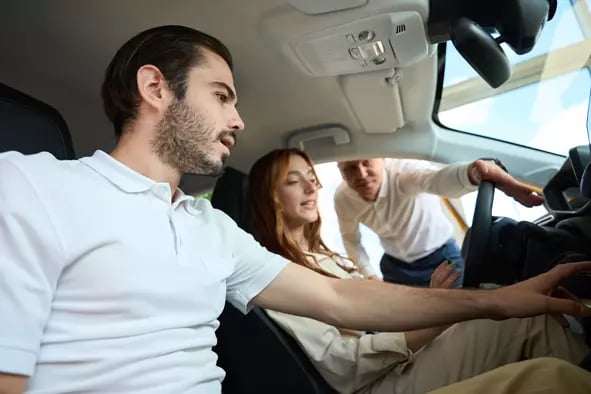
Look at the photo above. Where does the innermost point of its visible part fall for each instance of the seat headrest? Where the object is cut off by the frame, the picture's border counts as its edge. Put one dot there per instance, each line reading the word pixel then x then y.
pixel 28 125
pixel 230 195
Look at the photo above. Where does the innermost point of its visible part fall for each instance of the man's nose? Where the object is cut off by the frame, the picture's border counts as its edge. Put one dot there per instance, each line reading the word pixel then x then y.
pixel 363 172
pixel 360 173
pixel 236 123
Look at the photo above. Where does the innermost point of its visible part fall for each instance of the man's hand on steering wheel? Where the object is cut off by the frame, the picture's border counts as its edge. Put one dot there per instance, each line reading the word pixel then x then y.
pixel 485 170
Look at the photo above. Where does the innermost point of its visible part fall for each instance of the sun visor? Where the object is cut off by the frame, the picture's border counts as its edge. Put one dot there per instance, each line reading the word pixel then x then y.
pixel 375 100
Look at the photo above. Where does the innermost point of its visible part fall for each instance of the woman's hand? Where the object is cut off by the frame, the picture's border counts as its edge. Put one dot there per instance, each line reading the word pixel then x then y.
pixel 445 276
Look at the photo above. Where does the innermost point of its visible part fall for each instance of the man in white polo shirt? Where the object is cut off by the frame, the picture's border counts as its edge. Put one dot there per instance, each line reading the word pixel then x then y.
pixel 112 279
pixel 398 200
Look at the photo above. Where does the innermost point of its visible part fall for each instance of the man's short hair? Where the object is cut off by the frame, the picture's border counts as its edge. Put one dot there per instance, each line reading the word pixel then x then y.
pixel 173 49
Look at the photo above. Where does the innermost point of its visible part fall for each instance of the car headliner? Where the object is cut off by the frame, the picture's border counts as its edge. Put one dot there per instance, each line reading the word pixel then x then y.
pixel 57 52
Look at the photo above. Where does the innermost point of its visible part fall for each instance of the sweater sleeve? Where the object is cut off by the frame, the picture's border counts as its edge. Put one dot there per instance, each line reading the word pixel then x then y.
pixel 348 360
pixel 414 177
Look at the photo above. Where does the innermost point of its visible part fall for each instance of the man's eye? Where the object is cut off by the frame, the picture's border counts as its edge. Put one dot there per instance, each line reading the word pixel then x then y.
pixel 222 97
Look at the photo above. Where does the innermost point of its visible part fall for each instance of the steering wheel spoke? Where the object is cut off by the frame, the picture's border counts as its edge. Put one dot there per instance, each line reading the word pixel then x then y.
pixel 479 235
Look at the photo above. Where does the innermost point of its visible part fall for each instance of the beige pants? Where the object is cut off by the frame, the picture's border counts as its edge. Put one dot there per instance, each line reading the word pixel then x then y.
pixel 471 348
pixel 539 376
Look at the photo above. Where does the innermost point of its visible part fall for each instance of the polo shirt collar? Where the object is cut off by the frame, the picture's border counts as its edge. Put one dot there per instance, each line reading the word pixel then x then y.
pixel 123 177
pixel 118 173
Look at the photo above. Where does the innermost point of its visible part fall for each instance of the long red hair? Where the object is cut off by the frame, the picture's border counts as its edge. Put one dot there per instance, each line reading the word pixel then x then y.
pixel 269 227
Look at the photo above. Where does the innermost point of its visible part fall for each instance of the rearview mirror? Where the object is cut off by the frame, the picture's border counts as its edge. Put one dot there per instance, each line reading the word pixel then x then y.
pixel 481 51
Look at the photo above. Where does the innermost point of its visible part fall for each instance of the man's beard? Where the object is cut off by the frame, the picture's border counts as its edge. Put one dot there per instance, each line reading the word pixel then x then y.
pixel 185 140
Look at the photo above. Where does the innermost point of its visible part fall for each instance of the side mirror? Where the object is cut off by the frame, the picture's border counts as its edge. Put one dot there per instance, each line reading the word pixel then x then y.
pixel 481 51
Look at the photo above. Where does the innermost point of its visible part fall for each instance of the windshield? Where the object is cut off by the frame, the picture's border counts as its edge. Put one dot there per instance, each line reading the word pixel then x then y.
pixel 544 104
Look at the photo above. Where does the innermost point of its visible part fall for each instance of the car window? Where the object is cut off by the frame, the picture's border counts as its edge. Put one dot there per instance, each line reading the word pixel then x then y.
pixel 546 96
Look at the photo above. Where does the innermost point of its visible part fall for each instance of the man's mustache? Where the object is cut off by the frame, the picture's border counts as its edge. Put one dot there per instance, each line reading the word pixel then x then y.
pixel 225 134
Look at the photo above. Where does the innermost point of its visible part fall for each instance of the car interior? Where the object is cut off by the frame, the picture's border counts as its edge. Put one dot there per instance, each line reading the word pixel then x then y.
pixel 341 80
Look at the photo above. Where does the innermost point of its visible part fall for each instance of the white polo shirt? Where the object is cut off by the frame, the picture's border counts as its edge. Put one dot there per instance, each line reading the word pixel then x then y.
pixel 107 286
pixel 407 215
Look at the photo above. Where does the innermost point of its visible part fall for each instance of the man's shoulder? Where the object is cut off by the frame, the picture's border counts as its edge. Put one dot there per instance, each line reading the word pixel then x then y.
pixel 342 192
pixel 40 171
pixel 43 162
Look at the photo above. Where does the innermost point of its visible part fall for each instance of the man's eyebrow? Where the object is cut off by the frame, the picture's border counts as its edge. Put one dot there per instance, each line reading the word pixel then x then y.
pixel 229 91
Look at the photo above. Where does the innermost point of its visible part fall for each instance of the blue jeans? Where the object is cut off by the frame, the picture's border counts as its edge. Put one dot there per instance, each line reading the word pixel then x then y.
pixel 418 272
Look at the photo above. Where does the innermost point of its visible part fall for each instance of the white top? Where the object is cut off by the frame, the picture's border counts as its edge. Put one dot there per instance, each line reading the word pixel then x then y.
pixel 348 360
pixel 407 216
pixel 107 286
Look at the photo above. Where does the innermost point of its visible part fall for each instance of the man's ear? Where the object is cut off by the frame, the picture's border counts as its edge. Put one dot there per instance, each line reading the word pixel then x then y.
pixel 153 87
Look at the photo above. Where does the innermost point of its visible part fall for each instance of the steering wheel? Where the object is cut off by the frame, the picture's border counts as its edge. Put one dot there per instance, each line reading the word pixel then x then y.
pixel 479 235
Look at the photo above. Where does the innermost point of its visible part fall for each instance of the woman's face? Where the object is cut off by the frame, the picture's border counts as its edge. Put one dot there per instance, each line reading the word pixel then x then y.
pixel 297 194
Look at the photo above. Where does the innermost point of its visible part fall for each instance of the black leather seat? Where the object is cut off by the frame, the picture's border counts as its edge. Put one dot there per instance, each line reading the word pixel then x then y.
pixel 28 125
pixel 257 355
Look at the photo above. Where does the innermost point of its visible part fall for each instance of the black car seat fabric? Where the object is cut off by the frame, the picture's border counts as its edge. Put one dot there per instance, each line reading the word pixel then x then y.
pixel 28 125
pixel 230 195
pixel 257 355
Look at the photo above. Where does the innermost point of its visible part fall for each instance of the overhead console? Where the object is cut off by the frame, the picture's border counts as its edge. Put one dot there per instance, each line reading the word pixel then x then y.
pixel 375 43
pixel 328 38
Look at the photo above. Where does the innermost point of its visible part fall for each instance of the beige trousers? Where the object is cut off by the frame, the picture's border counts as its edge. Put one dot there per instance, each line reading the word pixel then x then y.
pixel 542 375
pixel 471 348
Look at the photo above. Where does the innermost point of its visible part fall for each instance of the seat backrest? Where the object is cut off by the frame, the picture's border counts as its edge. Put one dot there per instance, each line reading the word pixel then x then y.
pixel 28 125
pixel 257 355
pixel 230 195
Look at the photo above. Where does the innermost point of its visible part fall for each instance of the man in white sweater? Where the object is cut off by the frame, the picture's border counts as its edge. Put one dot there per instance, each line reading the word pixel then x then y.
pixel 397 199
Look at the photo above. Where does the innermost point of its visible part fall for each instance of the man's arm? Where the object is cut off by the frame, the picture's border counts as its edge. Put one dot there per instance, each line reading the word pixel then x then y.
pixel 351 236
pixel 455 180
pixel 379 306
pixel 355 250
pixel 31 260
pixel 485 170
pixel 12 384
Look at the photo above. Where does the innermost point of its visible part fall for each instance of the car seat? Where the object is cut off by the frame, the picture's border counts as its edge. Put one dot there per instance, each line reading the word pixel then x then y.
pixel 28 125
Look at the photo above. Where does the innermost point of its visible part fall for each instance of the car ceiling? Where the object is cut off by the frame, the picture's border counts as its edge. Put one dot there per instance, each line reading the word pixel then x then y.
pixel 57 52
